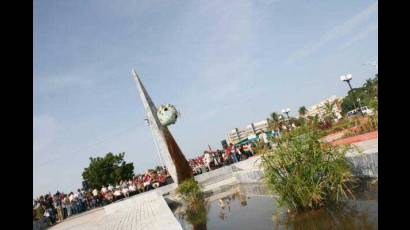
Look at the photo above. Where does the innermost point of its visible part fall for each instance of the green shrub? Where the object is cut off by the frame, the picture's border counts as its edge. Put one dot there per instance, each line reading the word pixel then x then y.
pixel 189 189
pixel 363 125
pixel 191 193
pixel 307 173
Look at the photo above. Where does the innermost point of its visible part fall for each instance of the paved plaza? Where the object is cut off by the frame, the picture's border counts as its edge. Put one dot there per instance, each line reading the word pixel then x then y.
pixel 145 211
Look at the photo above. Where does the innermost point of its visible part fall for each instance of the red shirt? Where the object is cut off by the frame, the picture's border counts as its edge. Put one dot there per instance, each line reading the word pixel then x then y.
pixel 228 151
pixel 161 178
pixel 146 178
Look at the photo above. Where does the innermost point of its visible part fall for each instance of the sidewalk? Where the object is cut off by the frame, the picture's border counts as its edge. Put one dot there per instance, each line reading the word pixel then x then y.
pixel 355 139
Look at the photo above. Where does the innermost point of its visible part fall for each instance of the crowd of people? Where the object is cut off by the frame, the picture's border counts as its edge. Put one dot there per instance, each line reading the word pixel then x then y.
pixel 57 207
pixel 211 160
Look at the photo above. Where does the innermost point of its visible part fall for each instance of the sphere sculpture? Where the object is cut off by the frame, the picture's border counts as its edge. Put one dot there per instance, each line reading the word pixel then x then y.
pixel 167 114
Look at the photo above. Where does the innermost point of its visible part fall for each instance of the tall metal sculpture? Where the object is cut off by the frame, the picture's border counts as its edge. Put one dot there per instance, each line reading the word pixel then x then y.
pixel 174 159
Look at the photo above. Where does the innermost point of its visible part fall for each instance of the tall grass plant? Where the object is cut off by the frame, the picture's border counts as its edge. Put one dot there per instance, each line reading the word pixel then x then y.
pixel 306 172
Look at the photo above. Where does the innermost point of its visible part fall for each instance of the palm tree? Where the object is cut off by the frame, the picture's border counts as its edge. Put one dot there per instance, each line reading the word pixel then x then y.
pixel 273 120
pixel 302 111
pixel 274 116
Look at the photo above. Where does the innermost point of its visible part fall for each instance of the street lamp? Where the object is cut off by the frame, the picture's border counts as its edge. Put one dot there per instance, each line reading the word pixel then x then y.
pixel 286 111
pixel 347 78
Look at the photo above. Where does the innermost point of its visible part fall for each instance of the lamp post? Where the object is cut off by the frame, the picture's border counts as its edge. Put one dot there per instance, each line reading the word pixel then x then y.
pixel 286 111
pixel 347 78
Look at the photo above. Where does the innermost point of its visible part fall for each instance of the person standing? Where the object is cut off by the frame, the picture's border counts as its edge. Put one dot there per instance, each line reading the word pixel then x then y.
pixel 240 154
pixel 245 148
pixel 67 205
pixel 215 156
pixel 147 181
pixel 94 201
pixel 233 153
pixel 227 156
pixel 58 205
pixel 264 138
pixel 73 202
pixel 251 153
pixel 80 200
pixel 208 160
pixel 39 210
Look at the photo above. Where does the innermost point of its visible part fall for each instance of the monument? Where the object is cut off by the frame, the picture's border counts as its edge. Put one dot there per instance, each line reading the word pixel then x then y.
pixel 169 150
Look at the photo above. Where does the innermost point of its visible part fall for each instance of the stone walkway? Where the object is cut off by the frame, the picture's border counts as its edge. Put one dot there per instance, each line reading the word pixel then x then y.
pixel 146 211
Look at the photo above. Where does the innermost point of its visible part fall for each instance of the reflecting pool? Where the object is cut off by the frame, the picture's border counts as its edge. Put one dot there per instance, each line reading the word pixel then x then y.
pixel 252 206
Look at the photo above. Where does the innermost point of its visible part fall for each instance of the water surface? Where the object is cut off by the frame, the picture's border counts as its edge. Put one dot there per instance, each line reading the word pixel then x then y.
pixel 252 206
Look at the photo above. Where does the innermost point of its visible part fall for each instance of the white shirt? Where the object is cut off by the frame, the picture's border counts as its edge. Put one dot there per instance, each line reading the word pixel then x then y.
pixel 95 192
pixel 207 158
pixel 110 187
pixel 264 137
pixel 239 151
pixel 103 189
pixel 117 193
pixel 71 197
pixel 132 188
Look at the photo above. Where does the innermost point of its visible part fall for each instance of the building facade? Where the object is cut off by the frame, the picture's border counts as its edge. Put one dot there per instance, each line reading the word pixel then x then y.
pixel 319 108
pixel 236 135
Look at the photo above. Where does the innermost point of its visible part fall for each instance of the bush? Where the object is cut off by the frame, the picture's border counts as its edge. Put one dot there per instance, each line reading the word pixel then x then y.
pixel 191 193
pixel 307 173
pixel 363 125
pixel 190 190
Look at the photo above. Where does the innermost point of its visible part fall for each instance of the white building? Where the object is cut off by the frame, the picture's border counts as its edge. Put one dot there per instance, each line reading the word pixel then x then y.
pixel 319 108
pixel 236 135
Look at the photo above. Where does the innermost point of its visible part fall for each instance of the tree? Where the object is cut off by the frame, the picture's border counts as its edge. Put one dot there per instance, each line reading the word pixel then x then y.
pixel 106 170
pixel 302 111
pixel 273 120
pixel 158 168
pixel 274 117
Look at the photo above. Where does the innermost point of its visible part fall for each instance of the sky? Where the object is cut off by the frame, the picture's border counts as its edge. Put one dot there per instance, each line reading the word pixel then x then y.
pixel 223 64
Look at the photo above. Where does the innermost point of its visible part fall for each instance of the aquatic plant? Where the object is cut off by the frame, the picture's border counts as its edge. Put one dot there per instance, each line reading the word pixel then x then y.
pixel 306 172
pixel 196 211
pixel 190 191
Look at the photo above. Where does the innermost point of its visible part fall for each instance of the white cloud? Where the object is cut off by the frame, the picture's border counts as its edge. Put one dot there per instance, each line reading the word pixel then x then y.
pixel 360 36
pixel 64 81
pixel 337 32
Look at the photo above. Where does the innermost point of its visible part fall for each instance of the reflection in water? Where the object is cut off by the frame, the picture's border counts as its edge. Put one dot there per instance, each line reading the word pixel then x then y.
pixel 197 215
pixel 242 198
pixel 341 217
pixel 351 214
pixel 250 206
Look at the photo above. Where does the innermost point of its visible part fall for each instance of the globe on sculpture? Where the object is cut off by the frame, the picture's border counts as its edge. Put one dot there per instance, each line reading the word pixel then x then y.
pixel 167 114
